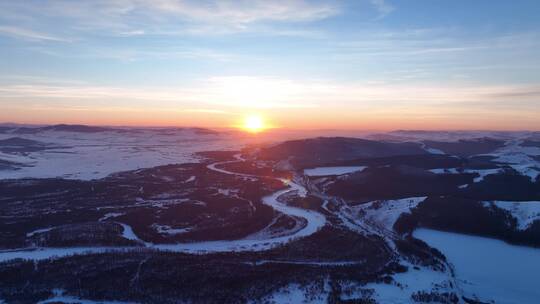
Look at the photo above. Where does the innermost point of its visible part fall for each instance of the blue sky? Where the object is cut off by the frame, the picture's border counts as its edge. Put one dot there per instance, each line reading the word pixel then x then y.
pixel 336 64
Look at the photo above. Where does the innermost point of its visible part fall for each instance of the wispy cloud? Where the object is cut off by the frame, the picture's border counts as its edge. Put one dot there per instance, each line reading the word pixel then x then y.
pixel 26 34
pixel 226 92
pixel 207 111
pixel 431 54
pixel 245 12
pixel 167 17
pixel 382 7
pixel 164 53
pixel 296 102
pixel 274 93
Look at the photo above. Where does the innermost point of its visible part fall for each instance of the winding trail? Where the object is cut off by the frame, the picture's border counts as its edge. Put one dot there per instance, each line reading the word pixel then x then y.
pixel 314 220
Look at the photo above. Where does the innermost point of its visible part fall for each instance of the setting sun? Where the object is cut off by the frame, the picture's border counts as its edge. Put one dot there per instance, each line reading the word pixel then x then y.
pixel 254 123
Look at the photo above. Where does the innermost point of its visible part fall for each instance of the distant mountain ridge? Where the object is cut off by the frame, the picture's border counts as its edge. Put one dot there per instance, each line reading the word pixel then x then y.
pixel 23 145
pixel 78 128
pixel 18 141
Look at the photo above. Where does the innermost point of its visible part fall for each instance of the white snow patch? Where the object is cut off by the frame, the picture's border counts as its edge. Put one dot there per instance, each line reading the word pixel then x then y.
pixel 165 229
pixel 325 171
pixel 294 293
pixel 532 172
pixel 110 215
pixel 487 268
pixel 520 158
pixel 59 296
pixel 128 233
pixel 444 171
pixel 385 213
pixel 38 231
pixel 407 283
pixel 524 212
pixel 227 192
pixel 481 172
pixel 434 151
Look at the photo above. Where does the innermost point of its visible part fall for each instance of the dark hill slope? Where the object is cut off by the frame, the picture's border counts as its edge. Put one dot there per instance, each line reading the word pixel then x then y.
pixel 331 150
pixel 466 148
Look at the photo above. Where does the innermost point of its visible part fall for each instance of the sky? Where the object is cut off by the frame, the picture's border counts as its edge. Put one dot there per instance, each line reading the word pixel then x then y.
pixel 361 64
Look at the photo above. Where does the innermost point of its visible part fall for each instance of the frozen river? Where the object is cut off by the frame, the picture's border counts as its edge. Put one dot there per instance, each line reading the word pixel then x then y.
pixel 314 222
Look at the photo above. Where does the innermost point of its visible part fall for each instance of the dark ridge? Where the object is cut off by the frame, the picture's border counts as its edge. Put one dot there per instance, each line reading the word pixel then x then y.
pixel 412 132
pixel 97 129
pixel 396 182
pixel 76 128
pixel 8 165
pixel 60 127
pixel 466 148
pixel 204 131
pixel 387 137
pixel 506 186
pixel 23 145
pixel 199 131
pixel 5 129
pixel 25 130
pixel 323 150
pixel 468 216
pixel 424 161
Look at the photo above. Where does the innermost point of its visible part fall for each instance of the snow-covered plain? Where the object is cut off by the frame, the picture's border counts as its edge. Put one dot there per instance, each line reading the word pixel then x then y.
pixel 487 268
pixel 325 171
pixel 95 155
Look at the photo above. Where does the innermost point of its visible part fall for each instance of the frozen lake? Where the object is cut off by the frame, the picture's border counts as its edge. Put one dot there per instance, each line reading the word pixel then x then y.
pixel 488 268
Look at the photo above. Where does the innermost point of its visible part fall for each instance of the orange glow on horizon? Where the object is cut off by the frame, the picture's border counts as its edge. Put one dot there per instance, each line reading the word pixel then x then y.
pixel 254 124
pixel 331 118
